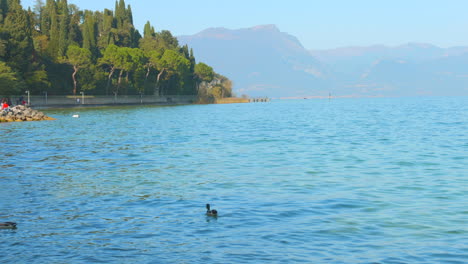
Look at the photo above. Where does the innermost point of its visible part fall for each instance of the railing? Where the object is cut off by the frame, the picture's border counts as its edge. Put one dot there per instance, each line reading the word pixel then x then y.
pixel 89 100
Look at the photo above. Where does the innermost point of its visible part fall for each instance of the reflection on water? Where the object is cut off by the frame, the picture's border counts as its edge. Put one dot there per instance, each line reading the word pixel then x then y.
pixel 341 181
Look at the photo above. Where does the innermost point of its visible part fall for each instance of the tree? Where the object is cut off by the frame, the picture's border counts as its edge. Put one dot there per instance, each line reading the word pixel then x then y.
pixel 19 43
pixel 34 46
pixel 64 24
pixel 148 32
pixel 105 26
pixel 121 60
pixel 54 37
pixel 38 10
pixel 129 60
pixel 203 72
pixel 46 17
pixel 225 86
pixel 172 64
pixel 78 58
pixel 10 84
pixel 166 40
pixel 36 79
pixel 219 87
pixel 89 33
pixel 75 35
pixel 110 59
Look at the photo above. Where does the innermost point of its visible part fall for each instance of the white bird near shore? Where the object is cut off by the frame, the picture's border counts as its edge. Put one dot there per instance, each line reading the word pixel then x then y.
pixel 76 116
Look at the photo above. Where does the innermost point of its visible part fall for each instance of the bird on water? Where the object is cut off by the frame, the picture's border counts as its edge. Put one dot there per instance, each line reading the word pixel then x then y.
pixel 8 225
pixel 210 212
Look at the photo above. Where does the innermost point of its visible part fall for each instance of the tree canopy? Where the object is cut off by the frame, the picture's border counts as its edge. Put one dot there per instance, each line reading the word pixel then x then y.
pixel 61 49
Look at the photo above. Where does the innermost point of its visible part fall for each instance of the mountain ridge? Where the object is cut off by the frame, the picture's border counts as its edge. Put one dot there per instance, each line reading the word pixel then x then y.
pixel 264 61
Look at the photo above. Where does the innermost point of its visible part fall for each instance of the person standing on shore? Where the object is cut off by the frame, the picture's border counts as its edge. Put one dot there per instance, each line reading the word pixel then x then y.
pixel 5 104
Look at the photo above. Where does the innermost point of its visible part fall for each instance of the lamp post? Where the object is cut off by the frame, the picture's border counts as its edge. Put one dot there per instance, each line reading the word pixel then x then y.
pixel 29 100
pixel 82 97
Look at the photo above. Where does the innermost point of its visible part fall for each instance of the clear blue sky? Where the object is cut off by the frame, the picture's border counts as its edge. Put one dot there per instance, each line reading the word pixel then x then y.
pixel 317 24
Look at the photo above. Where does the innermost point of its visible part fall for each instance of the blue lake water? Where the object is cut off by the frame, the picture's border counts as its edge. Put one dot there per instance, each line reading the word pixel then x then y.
pixel 311 181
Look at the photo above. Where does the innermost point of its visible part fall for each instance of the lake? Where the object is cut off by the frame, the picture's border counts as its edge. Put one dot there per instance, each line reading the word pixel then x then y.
pixel 376 180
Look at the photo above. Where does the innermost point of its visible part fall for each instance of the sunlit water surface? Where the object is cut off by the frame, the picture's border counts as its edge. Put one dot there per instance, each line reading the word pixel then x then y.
pixel 312 181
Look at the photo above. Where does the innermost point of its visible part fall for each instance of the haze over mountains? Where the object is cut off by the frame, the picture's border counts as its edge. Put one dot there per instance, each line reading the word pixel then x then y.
pixel 263 61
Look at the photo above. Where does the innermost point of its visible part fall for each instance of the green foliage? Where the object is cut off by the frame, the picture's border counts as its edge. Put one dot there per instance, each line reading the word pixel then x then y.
pixel 36 79
pixel 149 31
pixel 59 48
pixel 174 62
pixel 19 43
pixel 219 87
pixel 10 84
pixel 89 30
pixel 203 72
pixel 64 24
pixel 106 24
pixel 78 57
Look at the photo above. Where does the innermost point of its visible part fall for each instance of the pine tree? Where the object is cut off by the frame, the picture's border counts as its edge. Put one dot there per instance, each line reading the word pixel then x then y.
pixel 78 58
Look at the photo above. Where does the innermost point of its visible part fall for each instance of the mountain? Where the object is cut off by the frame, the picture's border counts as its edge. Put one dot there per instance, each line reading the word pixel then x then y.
pixel 263 61
pixel 407 70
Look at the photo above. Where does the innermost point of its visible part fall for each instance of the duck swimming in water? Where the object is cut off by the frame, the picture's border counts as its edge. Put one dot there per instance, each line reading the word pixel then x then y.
pixel 211 212
pixel 8 225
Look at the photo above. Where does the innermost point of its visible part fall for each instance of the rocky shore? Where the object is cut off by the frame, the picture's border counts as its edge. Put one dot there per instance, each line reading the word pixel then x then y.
pixel 22 113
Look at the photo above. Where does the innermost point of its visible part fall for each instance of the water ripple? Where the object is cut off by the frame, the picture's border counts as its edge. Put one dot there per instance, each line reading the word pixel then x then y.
pixel 341 181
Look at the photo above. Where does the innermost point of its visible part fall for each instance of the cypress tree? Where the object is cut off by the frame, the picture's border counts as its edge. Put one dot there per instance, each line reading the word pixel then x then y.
pixel 129 15
pixel 120 13
pixel 54 36
pixel 105 26
pixel 89 33
pixel 116 9
pixel 192 61
pixel 64 24
pixel 37 13
pixel 148 31
pixel 50 11
pixel 74 30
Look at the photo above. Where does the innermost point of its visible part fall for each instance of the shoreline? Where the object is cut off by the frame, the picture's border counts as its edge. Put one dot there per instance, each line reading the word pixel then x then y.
pixel 22 113
pixel 78 106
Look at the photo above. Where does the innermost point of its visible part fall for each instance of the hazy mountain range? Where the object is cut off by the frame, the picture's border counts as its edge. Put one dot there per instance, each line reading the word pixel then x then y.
pixel 263 61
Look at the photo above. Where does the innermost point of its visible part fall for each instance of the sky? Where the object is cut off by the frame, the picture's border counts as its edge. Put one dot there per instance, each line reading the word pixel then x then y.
pixel 318 24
